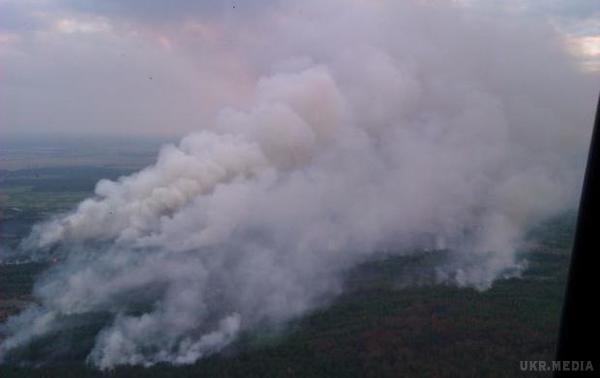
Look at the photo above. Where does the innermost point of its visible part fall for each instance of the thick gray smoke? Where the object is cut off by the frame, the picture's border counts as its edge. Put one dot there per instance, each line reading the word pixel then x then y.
pixel 383 128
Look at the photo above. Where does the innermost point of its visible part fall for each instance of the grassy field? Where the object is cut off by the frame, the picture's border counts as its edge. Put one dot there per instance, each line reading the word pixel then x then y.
pixel 28 196
pixel 379 327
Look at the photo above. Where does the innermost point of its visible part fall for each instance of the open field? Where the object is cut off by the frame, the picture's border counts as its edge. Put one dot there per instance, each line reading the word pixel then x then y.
pixel 28 196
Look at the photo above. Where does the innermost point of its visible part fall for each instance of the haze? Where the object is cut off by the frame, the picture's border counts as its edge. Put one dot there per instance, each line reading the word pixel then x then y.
pixel 321 135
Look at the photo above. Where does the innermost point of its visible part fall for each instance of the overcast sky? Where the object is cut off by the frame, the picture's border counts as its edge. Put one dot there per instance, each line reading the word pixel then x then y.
pixel 165 67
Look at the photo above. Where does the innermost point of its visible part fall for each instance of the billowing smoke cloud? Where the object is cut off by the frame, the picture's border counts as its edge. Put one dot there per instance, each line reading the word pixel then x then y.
pixel 388 128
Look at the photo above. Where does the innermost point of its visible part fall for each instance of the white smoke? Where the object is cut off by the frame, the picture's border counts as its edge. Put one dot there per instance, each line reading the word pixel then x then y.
pixel 425 129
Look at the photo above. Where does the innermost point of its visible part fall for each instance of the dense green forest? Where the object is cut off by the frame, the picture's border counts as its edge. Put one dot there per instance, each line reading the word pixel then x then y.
pixel 384 325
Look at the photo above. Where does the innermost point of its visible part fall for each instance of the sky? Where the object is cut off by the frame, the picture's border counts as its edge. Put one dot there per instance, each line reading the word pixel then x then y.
pixel 166 67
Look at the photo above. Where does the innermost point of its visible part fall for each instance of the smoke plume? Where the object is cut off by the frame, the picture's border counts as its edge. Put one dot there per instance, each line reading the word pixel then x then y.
pixel 375 127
